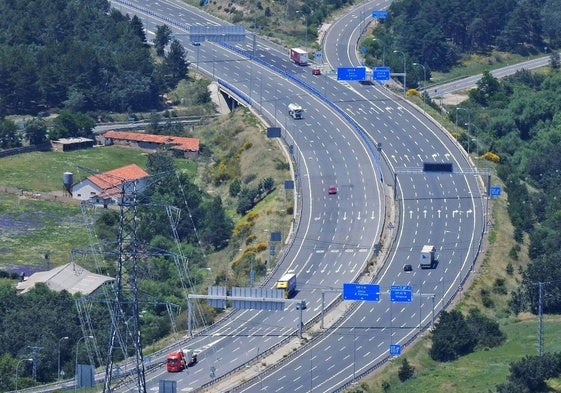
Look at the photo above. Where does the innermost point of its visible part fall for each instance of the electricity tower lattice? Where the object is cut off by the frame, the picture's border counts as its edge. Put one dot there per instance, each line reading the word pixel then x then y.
pixel 122 298
pixel 128 255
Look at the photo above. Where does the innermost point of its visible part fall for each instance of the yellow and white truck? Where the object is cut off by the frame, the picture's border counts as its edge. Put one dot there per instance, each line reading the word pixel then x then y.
pixel 288 284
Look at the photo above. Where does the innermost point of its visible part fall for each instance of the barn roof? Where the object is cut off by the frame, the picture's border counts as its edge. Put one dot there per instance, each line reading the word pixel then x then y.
pixel 69 277
pixel 177 142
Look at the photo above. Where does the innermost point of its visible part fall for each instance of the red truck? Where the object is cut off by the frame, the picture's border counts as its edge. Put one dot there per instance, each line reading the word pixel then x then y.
pixel 299 56
pixel 179 360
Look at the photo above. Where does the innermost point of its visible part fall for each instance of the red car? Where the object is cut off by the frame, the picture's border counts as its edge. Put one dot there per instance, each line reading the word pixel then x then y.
pixel 316 71
pixel 332 190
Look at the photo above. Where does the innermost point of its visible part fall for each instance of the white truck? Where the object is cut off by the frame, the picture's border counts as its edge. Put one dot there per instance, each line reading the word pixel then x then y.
pixel 299 56
pixel 295 111
pixel 428 257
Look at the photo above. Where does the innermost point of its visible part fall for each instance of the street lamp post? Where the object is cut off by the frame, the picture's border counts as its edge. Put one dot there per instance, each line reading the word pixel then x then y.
pixel 251 272
pixel 76 362
pixel 476 137
pixel 17 366
pixel 424 73
pixel 306 31
pixel 59 340
pixel 467 124
pixel 462 109
pixel 383 51
pixel 432 321
pixel 469 135
pixel 426 295
pixel 404 71
pixel 424 77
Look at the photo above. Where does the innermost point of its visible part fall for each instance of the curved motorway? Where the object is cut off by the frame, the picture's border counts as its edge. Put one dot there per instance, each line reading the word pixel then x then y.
pixel 442 209
pixel 336 234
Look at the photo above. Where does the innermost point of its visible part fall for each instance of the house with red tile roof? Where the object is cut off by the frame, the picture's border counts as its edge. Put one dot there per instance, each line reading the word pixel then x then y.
pixel 110 187
pixel 180 146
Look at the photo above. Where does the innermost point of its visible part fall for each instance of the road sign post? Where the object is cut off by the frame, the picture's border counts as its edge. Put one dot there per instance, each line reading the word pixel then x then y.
pixel 381 14
pixel 495 191
pixel 381 74
pixel 351 73
pixel 368 292
pixel 401 293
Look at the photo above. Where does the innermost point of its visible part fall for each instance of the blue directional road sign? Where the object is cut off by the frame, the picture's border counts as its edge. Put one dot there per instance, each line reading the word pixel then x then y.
pixel 368 292
pixel 381 74
pixel 495 191
pixel 380 14
pixel 395 349
pixel 351 73
pixel 400 293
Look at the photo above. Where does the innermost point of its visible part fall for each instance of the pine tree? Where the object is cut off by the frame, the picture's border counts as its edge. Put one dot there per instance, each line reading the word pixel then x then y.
pixel 406 370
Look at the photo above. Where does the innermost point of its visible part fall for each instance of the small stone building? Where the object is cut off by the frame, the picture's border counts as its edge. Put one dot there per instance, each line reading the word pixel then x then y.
pixel 68 144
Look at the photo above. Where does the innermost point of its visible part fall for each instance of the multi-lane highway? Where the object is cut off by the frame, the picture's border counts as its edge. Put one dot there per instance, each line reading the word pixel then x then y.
pixel 340 42
pixel 441 209
pixel 334 236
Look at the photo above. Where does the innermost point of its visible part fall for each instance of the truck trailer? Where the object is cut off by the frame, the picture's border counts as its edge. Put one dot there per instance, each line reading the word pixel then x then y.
pixel 179 360
pixel 299 56
pixel 295 111
pixel 288 284
pixel 428 257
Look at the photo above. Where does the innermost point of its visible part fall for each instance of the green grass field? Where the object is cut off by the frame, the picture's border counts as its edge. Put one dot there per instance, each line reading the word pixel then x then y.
pixel 42 171
pixel 33 227
pixel 478 372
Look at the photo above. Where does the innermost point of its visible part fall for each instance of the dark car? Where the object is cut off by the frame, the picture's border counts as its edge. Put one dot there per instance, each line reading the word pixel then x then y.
pixel 407 268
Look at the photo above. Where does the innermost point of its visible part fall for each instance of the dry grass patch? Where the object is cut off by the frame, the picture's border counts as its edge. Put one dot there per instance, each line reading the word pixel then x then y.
pixel 499 272
pixel 239 143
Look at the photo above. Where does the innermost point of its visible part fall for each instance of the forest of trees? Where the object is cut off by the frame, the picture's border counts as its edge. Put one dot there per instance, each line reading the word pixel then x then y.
pixel 81 60
pixel 519 119
pixel 35 320
pixel 439 34
pixel 81 56
pixel 456 336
